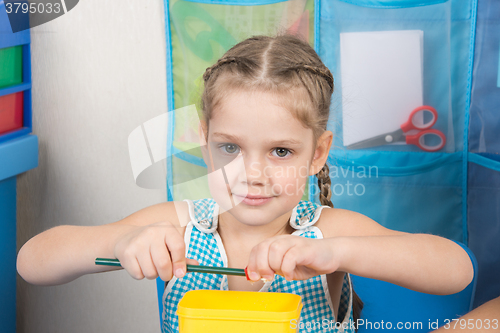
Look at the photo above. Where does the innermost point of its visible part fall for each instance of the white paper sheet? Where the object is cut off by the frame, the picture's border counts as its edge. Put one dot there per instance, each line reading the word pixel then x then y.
pixel 381 74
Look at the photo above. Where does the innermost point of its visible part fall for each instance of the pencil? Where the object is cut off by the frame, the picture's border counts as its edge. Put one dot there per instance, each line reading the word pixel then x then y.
pixel 190 268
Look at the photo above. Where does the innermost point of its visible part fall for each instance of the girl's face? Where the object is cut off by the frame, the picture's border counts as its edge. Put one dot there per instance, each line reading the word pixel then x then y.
pixel 259 157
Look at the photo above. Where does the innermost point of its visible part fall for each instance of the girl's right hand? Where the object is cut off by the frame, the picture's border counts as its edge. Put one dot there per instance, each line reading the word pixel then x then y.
pixel 153 250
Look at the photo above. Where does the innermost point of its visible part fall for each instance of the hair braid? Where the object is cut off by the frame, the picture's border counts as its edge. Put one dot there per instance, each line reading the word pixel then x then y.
pixel 323 72
pixel 245 64
pixel 214 67
pixel 325 184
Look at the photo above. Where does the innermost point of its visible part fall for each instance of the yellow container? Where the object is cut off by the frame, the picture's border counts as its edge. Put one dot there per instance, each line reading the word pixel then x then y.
pixel 238 311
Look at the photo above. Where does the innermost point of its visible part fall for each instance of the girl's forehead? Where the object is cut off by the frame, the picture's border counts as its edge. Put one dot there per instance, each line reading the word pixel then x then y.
pixel 258 115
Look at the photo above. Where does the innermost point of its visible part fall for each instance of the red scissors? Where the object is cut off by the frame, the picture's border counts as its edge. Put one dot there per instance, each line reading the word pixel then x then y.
pixel 418 139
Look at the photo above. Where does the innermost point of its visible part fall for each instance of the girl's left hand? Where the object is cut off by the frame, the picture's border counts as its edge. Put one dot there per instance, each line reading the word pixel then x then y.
pixel 293 257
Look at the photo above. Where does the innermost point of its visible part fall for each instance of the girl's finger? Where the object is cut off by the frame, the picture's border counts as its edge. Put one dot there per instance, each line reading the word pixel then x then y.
pixel 192 261
pixel 177 248
pixel 289 262
pixel 252 265
pixel 277 250
pixel 161 260
pixel 258 265
pixel 147 266
pixel 131 265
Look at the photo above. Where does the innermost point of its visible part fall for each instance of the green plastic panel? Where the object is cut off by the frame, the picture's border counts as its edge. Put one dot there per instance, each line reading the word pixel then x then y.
pixel 11 68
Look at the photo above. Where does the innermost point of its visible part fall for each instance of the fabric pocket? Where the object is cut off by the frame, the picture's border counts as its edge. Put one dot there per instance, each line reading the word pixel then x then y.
pixel 483 193
pixel 410 192
pixel 198 34
pixel 375 88
pixel 484 216
pixel 484 120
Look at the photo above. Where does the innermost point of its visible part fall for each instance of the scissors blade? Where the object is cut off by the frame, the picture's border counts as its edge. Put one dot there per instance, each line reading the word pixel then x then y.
pixel 378 140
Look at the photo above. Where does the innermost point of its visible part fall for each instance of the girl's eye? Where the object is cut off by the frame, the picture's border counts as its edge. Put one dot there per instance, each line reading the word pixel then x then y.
pixel 282 152
pixel 230 148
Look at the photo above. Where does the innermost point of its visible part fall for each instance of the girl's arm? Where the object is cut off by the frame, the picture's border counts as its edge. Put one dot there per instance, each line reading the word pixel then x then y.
pixel 64 253
pixel 485 319
pixel 421 262
pixel 356 244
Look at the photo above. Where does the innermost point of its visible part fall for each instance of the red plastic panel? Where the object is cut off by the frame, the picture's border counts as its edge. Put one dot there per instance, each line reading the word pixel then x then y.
pixel 11 112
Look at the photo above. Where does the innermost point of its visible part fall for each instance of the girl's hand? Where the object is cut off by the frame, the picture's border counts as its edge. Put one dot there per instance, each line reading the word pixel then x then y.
pixel 153 250
pixel 294 257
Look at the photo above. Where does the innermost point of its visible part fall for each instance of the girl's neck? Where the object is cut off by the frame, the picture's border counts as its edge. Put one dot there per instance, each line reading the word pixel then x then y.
pixel 231 229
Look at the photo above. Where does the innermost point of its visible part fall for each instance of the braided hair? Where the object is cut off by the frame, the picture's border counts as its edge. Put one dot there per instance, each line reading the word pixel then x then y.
pixel 324 184
pixel 285 66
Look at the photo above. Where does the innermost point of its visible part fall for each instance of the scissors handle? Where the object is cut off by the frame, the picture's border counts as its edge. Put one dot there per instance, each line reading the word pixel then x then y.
pixel 419 140
pixel 413 122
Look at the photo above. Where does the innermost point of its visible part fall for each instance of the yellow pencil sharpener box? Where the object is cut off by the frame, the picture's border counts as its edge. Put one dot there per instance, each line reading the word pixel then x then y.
pixel 238 311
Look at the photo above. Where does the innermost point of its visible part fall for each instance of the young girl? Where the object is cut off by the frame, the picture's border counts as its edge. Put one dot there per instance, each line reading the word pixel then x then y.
pixel 265 110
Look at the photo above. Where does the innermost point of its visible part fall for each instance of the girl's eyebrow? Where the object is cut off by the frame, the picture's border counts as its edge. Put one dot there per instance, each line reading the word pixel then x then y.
pixel 287 142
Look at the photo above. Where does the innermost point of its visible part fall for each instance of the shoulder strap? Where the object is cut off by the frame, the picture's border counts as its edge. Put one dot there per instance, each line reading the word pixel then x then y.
pixel 305 214
pixel 204 214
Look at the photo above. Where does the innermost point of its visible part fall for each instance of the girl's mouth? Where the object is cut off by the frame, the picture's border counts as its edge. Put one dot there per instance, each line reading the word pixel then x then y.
pixel 253 201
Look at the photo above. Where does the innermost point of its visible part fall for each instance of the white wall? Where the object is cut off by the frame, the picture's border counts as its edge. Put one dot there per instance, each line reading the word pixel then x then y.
pixel 98 72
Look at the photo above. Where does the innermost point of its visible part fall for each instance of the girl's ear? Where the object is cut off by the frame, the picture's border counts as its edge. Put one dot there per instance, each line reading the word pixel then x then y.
pixel 321 153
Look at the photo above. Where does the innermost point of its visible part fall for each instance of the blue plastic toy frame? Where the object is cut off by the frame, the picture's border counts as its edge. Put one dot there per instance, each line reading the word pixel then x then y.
pixel 10 40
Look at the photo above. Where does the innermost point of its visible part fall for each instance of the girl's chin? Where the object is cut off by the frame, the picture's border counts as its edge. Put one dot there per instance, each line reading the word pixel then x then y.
pixel 254 222
pixel 253 217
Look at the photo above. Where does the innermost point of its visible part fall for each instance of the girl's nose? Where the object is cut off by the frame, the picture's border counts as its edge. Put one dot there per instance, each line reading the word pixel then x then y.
pixel 255 170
